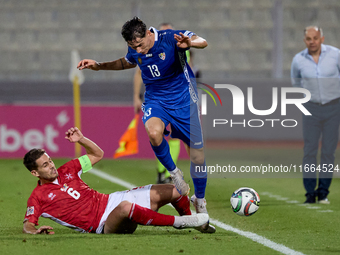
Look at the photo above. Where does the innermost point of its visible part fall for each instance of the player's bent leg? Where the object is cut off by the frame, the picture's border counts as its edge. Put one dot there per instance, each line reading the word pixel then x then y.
pixel 125 217
pixel 161 195
pixel 163 175
pixel 201 207
pixel 198 172
pixel 144 216
pixel 199 177
pixel 118 220
pixel 197 156
pixel 155 129
pixel 175 148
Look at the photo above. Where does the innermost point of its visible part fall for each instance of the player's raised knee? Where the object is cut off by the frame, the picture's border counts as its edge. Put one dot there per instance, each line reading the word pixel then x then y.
pixel 124 208
pixel 155 137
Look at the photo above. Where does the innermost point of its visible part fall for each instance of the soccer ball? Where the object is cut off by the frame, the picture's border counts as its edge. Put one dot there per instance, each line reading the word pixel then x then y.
pixel 245 201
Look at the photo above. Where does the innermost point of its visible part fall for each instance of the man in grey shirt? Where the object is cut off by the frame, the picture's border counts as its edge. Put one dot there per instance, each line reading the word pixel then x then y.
pixel 317 69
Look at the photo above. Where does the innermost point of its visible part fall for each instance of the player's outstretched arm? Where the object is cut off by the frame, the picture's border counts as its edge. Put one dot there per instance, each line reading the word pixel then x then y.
pixel 93 151
pixel 119 64
pixel 29 228
pixel 195 41
pixel 198 42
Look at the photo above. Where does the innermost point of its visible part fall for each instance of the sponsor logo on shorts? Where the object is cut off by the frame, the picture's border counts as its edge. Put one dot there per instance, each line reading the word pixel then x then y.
pixel 198 143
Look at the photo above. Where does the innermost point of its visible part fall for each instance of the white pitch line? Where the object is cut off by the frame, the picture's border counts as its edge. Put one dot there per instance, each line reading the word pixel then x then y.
pixel 292 202
pixel 308 206
pixel 112 178
pixel 313 207
pixel 256 238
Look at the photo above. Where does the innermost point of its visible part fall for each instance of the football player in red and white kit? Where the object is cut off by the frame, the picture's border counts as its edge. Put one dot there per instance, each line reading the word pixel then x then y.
pixel 63 197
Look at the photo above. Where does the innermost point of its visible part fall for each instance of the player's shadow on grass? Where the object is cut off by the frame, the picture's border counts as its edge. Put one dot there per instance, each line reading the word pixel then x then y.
pixel 141 231
pixel 327 250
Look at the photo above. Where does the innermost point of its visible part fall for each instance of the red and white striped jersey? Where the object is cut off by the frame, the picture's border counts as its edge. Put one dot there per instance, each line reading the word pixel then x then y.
pixel 68 201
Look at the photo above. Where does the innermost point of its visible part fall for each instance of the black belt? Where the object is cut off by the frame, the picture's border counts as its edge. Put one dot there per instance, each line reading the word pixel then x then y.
pixel 334 101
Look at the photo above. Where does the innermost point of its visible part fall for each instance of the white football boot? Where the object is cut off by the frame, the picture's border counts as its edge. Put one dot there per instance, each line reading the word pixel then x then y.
pixel 191 221
pixel 201 207
pixel 181 186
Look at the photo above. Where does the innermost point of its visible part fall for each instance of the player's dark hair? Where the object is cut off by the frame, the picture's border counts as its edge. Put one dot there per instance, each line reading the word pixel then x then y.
pixel 30 159
pixel 132 29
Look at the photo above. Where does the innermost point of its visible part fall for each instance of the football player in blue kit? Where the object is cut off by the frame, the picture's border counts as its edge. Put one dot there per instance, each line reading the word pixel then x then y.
pixel 170 97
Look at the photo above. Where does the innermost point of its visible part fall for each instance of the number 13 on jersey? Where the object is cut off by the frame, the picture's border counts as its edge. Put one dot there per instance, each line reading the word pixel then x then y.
pixel 154 70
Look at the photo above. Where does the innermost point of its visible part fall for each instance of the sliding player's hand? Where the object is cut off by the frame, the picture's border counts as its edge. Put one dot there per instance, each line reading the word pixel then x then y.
pixel 45 230
pixel 182 41
pixel 74 135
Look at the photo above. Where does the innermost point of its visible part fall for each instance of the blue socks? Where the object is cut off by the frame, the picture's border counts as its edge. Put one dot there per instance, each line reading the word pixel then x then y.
pixel 162 152
pixel 199 179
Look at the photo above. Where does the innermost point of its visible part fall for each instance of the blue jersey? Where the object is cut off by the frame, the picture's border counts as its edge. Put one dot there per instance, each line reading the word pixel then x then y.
pixel 168 78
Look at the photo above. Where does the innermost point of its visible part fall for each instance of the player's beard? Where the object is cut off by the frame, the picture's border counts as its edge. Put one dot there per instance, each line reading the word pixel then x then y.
pixel 53 175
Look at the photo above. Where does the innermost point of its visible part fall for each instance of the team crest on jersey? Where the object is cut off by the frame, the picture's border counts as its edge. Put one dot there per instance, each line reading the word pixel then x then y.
pixel 64 188
pixel 139 60
pixel 68 176
pixel 162 55
pixel 30 210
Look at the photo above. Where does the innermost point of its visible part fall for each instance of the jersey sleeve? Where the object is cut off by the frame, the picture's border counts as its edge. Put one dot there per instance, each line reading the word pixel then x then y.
pixel 71 167
pixel 33 211
pixel 85 163
pixel 129 58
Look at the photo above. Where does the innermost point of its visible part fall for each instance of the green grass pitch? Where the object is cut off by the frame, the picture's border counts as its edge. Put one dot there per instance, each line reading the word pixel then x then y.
pixel 305 229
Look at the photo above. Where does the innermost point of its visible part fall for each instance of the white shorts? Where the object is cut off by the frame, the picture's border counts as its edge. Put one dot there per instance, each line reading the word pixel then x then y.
pixel 138 195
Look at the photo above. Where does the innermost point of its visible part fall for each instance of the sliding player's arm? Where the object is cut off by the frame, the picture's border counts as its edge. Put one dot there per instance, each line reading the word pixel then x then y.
pixel 119 64
pixel 29 228
pixel 93 151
